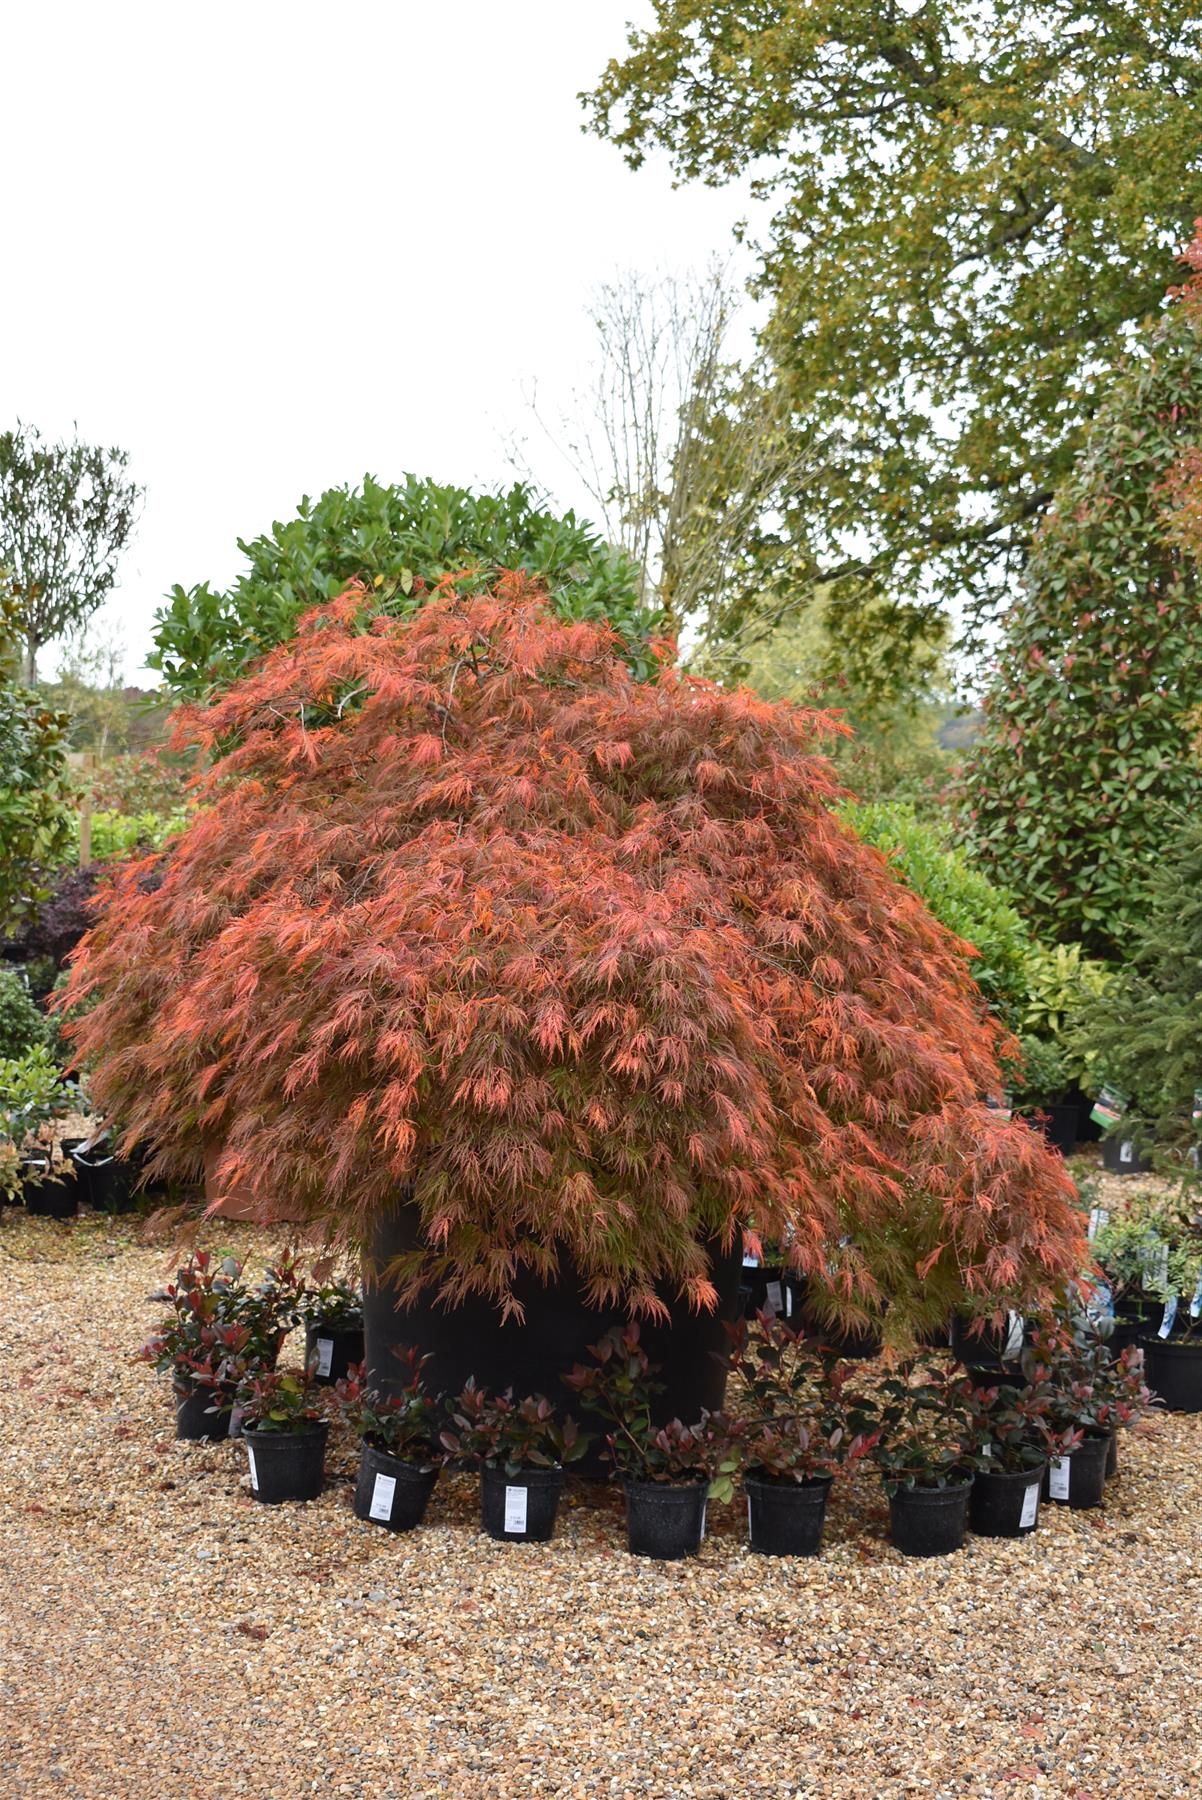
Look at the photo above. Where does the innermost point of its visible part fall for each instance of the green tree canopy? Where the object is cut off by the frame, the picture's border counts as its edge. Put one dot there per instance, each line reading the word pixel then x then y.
pixel 66 513
pixel 1087 762
pixel 34 787
pixel 973 204
pixel 400 540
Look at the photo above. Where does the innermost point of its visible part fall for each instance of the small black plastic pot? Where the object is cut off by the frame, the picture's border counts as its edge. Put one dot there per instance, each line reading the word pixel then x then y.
pixel 929 1521
pixel 390 1492
pixel 287 1465
pixel 193 1417
pixel 1004 1502
pixel 47 1195
pixel 665 1519
pixel 333 1348
pixel 521 1508
pixel 1124 1156
pixel 1173 1370
pixel 1078 1479
pixel 785 1518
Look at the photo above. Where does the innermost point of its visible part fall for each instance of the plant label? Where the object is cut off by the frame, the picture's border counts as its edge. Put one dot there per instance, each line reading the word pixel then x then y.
pixel 1195 1305
pixel 1109 1107
pixel 516 1499
pixel 1156 1264
pixel 1127 1150
pixel 704 1509
pixel 1058 1477
pixel 325 1355
pixel 776 1299
pixel 986 1449
pixel 788 1301
pixel 254 1473
pixel 1099 1219
pixel 751 1262
pixel 1169 1319
pixel 235 1421
pixel 1030 1512
pixel 1013 1348
pixel 381 1497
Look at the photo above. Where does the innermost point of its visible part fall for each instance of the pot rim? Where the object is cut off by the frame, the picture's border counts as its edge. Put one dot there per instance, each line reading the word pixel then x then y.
pixel 777 1484
pixel 314 1428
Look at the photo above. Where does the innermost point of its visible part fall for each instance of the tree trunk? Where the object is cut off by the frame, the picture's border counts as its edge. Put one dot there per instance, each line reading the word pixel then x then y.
pixel 29 662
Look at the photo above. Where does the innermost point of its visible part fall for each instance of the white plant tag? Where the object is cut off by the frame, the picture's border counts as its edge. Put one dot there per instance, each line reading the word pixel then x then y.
pixel 751 1262
pixel 381 1497
pixel 254 1473
pixel 1015 1324
pixel 325 1355
pixel 986 1449
pixel 776 1300
pixel 704 1510
pixel 235 1429
pixel 515 1508
pixel 1127 1150
pixel 1195 1305
pixel 1099 1219
pixel 788 1301
pixel 1030 1512
pixel 1169 1319
pixel 1058 1477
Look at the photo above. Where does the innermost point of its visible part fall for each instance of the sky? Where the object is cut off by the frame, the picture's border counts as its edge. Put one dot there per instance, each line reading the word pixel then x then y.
pixel 266 247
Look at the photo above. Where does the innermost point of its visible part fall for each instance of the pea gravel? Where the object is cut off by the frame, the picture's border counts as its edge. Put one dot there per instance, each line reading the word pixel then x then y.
pixel 162 1634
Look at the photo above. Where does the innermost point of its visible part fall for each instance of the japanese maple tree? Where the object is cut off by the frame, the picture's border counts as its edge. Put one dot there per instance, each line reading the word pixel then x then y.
pixel 583 964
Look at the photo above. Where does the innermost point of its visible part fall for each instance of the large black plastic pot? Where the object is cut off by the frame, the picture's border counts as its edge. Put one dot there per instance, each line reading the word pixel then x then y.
pixel 107 1181
pixel 390 1492
pixel 1005 1503
pixel 762 1289
pixel 47 1195
pixel 929 1521
pixel 531 1357
pixel 1124 1156
pixel 1079 1479
pixel 1058 1125
pixel 785 1518
pixel 202 1411
pixel 520 1508
pixel 665 1520
pixel 984 1352
pixel 1173 1369
pixel 287 1465
pixel 333 1348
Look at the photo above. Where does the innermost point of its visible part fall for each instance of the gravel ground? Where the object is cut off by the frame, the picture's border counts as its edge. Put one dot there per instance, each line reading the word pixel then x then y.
pixel 163 1634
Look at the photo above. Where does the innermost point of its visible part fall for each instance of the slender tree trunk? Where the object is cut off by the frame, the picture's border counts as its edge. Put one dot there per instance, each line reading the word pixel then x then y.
pixel 29 662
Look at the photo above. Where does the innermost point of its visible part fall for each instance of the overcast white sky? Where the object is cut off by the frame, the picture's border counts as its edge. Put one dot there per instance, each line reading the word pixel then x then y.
pixel 265 247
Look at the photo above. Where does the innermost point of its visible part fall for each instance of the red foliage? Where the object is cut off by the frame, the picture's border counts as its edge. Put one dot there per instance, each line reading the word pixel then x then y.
pixel 587 962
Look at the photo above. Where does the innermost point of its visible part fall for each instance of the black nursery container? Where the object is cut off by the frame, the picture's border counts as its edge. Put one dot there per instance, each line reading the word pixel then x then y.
pixel 193 1417
pixel 47 1195
pixel 287 1465
pixel 520 1508
pixel 1078 1479
pixel 929 1521
pixel 984 1352
pixel 1059 1126
pixel 1005 1503
pixel 390 1492
pixel 1124 1156
pixel 785 1518
pixel 1173 1370
pixel 1133 1322
pixel 664 1520
pixel 107 1181
pixel 333 1348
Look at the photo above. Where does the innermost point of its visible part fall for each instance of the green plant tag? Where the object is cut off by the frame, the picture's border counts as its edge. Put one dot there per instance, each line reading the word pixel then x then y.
pixel 1109 1107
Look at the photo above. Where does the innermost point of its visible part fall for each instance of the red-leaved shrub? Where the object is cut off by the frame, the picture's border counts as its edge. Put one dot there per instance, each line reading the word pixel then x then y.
pixel 586 962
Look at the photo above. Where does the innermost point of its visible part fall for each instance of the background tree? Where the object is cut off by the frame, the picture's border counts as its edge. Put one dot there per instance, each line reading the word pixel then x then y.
pixel 34 787
pixel 399 541
pixel 586 960
pixel 66 512
pixel 1088 761
pixel 973 204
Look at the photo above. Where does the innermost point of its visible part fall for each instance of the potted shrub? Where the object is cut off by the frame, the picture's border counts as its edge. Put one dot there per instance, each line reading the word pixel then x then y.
pixel 798 1433
pixel 1009 1438
pixel 1130 1248
pixel 285 1435
pixel 1120 1383
pixel 333 1320
pixel 34 1094
pixel 527 962
pixel 1068 1362
pixel 923 1449
pixel 988 1342
pixel 669 1471
pixel 1173 1354
pixel 399 1462
pixel 1041 1092
pixel 520 1448
pixel 107 1179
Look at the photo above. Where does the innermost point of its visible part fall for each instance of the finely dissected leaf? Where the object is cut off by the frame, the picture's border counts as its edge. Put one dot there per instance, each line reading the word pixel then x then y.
pixel 574 1001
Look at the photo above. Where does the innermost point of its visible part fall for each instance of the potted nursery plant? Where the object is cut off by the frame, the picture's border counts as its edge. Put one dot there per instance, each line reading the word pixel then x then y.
pixel 520 1448
pixel 569 1083
pixel 1129 1240
pixel 333 1318
pixel 988 1341
pixel 34 1095
pixel 668 1471
pixel 1008 1436
pixel 1069 1363
pixel 798 1433
pixel 924 1452
pixel 284 1433
pixel 399 1462
pixel 1041 1092
pixel 1173 1353
pixel 107 1179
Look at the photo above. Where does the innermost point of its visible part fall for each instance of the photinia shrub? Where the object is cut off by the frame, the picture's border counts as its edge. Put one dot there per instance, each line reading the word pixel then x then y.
pixel 583 964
